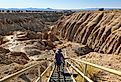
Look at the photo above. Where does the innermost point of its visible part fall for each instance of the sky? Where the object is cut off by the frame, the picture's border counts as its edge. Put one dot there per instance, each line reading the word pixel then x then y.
pixel 60 4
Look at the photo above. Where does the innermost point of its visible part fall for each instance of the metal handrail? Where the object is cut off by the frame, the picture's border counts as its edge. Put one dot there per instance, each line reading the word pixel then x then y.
pixel 40 77
pixel 100 67
pixel 71 75
pixel 46 69
pixel 77 70
pixel 9 77
pixel 51 74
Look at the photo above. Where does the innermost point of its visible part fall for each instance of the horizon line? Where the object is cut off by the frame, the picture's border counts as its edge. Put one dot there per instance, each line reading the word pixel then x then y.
pixel 55 8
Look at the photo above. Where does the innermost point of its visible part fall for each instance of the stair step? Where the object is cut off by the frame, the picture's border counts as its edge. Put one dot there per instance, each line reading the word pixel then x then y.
pixel 62 77
pixel 56 80
pixel 54 77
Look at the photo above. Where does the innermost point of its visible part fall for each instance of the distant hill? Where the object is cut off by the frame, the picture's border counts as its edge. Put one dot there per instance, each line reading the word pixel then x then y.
pixel 32 9
pixel 50 9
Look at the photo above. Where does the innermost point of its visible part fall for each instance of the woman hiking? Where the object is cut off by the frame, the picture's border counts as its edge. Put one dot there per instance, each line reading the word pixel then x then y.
pixel 59 60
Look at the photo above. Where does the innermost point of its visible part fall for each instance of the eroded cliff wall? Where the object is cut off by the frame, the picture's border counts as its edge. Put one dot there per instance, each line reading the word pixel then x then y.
pixel 100 30
pixel 27 21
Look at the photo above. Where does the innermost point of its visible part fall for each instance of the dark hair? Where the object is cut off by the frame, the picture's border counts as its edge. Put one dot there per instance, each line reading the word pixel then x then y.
pixel 60 50
pixel 54 51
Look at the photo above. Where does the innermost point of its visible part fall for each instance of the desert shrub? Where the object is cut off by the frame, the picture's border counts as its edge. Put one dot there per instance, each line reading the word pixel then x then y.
pixel 8 11
pixel 101 9
pixel 2 10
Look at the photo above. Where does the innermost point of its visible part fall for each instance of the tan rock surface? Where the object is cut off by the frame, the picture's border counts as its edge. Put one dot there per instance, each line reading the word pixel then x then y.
pixel 7 57
pixel 100 30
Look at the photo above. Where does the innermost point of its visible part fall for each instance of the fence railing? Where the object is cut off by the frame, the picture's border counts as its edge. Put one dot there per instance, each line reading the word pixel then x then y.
pixel 39 79
pixel 100 67
pixel 112 71
pixel 81 73
pixel 51 74
pixel 17 74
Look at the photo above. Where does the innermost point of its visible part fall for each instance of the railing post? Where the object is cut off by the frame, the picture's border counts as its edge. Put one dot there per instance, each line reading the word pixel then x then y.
pixel 39 75
pixel 84 72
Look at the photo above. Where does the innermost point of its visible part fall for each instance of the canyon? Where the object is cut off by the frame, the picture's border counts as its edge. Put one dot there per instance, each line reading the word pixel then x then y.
pixel 93 36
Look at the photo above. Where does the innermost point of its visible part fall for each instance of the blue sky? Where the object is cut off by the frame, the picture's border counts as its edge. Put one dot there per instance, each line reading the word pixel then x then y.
pixel 60 4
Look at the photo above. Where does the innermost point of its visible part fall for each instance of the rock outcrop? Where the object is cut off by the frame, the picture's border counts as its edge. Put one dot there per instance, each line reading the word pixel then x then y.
pixel 99 30
pixel 7 57
pixel 30 42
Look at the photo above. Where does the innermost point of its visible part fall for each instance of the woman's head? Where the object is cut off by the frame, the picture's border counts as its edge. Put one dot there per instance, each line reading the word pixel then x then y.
pixel 60 50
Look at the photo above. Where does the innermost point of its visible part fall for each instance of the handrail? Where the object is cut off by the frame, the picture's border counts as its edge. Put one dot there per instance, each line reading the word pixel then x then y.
pixel 88 79
pixel 100 67
pixel 83 74
pixel 51 74
pixel 46 69
pixel 71 75
pixel 39 78
pixel 18 73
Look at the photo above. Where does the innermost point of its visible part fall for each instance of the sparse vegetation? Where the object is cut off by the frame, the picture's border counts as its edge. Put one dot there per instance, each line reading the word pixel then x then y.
pixel 101 9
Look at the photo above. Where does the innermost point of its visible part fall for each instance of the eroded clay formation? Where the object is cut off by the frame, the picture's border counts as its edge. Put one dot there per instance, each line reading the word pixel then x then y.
pixel 100 30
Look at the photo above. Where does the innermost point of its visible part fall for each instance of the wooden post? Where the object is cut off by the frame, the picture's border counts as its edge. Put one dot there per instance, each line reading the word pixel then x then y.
pixel 85 72
pixel 39 75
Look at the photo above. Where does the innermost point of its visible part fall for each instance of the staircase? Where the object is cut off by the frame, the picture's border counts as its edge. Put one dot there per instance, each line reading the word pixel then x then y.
pixel 64 76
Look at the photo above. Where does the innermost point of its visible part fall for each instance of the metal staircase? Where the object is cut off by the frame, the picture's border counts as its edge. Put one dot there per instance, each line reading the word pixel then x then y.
pixel 64 76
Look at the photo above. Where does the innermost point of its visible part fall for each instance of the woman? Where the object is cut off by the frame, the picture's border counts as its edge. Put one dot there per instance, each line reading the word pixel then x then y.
pixel 59 59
